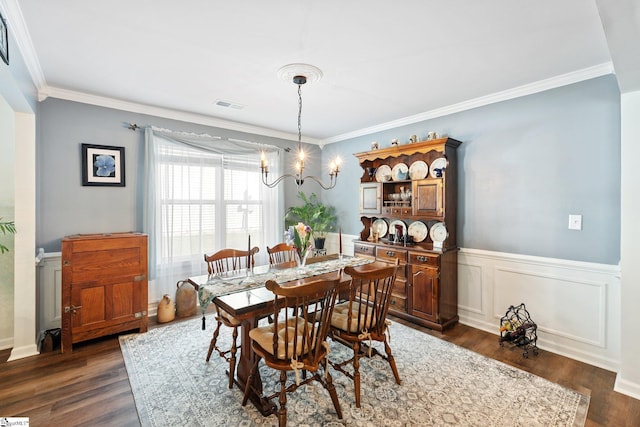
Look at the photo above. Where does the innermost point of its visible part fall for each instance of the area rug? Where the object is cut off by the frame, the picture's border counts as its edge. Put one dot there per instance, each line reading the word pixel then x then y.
pixel 442 384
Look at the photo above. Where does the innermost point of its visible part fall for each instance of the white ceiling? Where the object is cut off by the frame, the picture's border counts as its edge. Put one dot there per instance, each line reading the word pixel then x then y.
pixel 383 62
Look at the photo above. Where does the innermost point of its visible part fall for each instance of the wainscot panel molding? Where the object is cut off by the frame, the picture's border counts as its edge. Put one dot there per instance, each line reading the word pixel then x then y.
pixel 576 305
pixel 49 278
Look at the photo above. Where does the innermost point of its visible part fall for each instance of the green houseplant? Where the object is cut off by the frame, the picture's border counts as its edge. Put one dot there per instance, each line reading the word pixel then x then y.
pixel 320 217
pixel 8 227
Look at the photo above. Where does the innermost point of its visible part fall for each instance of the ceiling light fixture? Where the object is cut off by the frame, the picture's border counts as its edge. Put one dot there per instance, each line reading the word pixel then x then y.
pixel 300 74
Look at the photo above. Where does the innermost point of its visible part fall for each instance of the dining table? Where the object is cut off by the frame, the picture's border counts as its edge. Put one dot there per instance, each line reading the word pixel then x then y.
pixel 242 294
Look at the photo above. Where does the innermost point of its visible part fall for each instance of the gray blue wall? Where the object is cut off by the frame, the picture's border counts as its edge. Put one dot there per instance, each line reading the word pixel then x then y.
pixel 65 207
pixel 524 166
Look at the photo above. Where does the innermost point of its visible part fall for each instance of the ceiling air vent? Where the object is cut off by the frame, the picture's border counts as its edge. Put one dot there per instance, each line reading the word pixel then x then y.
pixel 227 104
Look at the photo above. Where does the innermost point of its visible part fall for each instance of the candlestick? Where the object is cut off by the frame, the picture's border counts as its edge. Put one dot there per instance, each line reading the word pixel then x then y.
pixel 249 254
pixel 340 238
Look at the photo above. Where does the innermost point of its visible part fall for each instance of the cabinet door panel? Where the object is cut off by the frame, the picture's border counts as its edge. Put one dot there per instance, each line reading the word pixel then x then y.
pixel 123 300
pixel 371 198
pixel 428 197
pixel 424 293
pixel 91 301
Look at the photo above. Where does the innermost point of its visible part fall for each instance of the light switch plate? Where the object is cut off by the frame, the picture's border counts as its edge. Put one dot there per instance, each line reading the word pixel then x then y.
pixel 575 222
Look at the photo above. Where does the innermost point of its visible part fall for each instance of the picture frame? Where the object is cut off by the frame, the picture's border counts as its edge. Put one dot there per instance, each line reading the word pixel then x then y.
pixel 103 166
pixel 4 40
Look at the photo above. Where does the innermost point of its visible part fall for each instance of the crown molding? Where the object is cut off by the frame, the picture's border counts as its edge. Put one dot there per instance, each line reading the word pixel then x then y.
pixel 22 38
pixel 528 89
pixel 18 28
pixel 102 101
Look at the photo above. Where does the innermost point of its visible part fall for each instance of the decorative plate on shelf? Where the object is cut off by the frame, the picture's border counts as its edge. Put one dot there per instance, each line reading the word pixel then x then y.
pixel 400 172
pixel 438 232
pixel 418 170
pixel 392 226
pixel 418 230
pixel 383 172
pixel 438 164
pixel 380 225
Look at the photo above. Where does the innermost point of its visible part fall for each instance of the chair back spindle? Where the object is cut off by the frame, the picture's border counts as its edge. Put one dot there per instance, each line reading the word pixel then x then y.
pixel 281 253
pixel 226 260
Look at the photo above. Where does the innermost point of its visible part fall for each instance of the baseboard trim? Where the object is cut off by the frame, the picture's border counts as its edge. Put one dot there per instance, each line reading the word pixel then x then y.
pixel 22 352
pixel 627 387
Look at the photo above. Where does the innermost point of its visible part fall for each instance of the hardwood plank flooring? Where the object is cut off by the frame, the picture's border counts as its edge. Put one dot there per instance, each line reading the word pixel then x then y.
pixel 90 387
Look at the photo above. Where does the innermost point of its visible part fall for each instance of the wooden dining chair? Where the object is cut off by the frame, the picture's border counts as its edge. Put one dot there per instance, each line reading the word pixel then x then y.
pixel 223 261
pixel 281 253
pixel 296 343
pixel 226 260
pixel 363 318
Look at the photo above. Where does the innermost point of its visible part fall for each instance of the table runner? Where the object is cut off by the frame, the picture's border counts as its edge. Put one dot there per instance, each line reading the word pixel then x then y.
pixel 218 286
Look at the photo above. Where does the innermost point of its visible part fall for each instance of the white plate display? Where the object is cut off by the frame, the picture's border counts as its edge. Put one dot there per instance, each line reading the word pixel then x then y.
pixel 438 232
pixel 382 172
pixel 399 169
pixel 439 163
pixel 392 227
pixel 418 170
pixel 418 230
pixel 380 225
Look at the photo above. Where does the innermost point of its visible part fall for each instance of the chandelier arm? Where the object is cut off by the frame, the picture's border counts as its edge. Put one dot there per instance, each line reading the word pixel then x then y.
pixel 332 183
pixel 277 181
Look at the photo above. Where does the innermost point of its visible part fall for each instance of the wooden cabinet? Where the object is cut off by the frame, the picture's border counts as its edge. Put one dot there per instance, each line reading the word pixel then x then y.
pixel 104 285
pixel 426 289
pixel 433 287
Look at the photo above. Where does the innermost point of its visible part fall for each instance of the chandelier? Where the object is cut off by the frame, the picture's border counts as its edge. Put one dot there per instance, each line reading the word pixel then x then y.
pixel 300 74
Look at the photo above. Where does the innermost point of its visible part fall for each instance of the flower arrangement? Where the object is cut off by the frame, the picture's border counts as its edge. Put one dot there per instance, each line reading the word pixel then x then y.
pixel 300 237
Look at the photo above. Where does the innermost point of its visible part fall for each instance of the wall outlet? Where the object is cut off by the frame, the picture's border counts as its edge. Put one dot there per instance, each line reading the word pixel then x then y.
pixel 575 222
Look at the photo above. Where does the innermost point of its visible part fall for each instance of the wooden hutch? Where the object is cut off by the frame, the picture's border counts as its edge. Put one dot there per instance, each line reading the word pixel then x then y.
pixel 426 288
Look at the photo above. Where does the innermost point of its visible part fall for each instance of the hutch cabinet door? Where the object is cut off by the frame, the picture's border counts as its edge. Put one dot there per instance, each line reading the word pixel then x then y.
pixel 428 198
pixel 423 299
pixel 370 198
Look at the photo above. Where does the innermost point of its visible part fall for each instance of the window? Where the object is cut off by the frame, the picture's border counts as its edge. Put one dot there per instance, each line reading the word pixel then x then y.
pixel 205 201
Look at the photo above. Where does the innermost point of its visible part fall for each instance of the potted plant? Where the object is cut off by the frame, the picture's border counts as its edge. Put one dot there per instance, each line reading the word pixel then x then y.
pixel 8 227
pixel 320 217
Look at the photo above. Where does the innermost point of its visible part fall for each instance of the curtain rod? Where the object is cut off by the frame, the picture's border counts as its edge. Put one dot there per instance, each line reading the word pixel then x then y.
pixel 134 127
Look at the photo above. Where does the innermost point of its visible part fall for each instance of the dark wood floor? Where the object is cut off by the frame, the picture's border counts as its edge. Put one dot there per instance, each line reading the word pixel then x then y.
pixel 90 386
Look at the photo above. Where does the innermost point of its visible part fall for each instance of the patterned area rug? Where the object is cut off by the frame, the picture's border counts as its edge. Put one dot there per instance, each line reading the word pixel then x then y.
pixel 442 384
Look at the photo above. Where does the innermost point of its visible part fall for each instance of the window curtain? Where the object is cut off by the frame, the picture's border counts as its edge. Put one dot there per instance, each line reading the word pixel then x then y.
pixel 203 194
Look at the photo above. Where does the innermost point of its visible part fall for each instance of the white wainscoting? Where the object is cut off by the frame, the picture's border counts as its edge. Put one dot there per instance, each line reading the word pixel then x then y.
pixel 49 277
pixel 576 305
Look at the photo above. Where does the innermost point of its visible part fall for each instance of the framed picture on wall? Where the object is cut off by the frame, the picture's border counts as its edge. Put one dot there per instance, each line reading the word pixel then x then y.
pixel 4 40
pixel 102 165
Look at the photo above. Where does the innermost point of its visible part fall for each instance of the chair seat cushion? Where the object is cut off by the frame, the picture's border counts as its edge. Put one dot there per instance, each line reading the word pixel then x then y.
pixel 227 318
pixel 340 317
pixel 263 336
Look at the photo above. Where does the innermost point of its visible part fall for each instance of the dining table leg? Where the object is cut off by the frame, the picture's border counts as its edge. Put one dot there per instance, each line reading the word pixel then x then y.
pixel 246 362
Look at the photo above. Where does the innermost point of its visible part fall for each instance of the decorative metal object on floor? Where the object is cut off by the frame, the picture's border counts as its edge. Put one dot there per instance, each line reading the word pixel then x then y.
pixel 517 328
